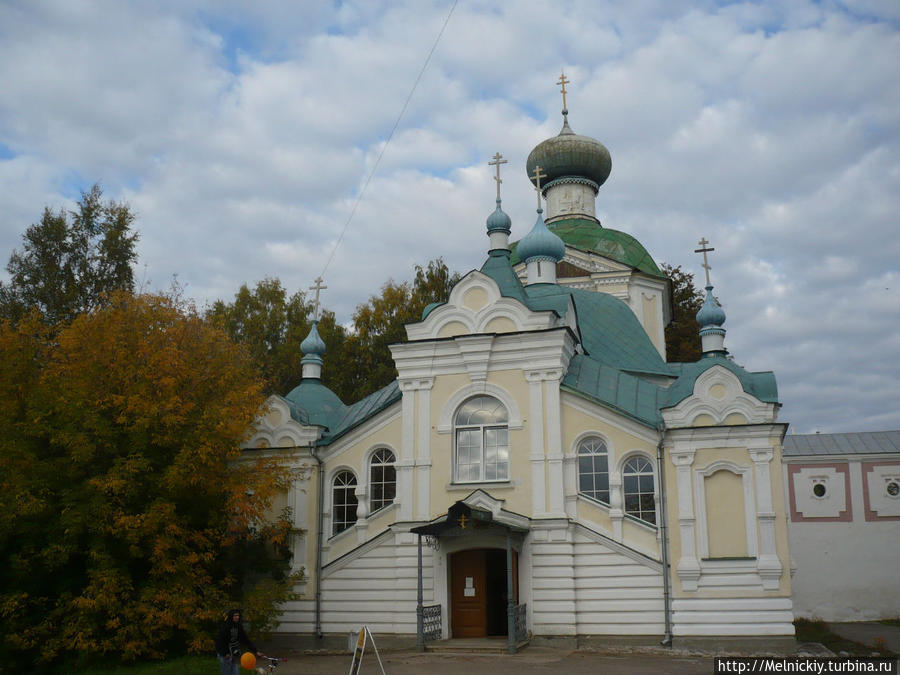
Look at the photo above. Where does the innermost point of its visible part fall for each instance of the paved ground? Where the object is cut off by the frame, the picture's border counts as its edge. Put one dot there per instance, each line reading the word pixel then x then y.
pixel 868 633
pixel 531 660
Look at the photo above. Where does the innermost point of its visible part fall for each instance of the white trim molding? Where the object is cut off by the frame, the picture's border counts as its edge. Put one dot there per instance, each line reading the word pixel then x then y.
pixel 448 412
pixel 718 393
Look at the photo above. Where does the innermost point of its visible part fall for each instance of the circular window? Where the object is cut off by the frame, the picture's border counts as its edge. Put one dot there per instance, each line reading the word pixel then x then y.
pixel 893 488
pixel 819 489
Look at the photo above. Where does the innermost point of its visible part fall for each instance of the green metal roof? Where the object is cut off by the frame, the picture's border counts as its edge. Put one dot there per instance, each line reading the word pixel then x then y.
pixel 610 332
pixel 311 402
pixel 760 385
pixel 621 391
pixel 588 235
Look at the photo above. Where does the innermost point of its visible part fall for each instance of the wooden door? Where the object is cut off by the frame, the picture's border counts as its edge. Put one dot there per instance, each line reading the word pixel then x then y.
pixel 468 594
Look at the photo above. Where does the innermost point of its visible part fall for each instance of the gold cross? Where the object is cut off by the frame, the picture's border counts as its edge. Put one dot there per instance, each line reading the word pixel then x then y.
pixel 462 521
pixel 498 160
pixel 317 287
pixel 563 81
pixel 703 242
pixel 537 179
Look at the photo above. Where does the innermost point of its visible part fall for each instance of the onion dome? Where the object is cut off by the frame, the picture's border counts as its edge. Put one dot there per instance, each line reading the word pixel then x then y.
pixel 711 314
pixel 541 243
pixel 498 221
pixel 570 155
pixel 313 345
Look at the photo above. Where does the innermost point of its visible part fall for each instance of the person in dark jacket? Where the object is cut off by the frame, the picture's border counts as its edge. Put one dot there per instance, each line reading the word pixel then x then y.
pixel 228 643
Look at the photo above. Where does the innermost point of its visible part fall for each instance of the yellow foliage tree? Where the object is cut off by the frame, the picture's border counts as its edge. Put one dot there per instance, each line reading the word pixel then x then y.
pixel 128 518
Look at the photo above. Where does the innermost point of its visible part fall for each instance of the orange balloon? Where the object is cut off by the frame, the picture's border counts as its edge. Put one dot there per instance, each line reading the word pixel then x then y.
pixel 248 661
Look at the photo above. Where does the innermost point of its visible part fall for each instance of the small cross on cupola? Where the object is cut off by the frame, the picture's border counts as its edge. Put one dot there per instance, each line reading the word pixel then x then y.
pixel 317 286
pixel 711 315
pixel 499 224
pixel 562 81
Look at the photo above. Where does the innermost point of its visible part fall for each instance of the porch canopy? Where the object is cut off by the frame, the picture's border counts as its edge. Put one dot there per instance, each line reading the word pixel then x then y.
pixel 461 520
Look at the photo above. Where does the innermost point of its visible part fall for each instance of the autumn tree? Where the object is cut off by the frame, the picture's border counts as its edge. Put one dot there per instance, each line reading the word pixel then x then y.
pixel 272 325
pixel 381 322
pixel 125 502
pixel 683 333
pixel 71 261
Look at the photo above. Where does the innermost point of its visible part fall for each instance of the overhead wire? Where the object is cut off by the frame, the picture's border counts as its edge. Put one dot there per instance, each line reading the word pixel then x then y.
pixel 387 142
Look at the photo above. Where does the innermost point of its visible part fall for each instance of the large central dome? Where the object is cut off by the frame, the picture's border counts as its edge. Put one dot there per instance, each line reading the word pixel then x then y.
pixel 569 154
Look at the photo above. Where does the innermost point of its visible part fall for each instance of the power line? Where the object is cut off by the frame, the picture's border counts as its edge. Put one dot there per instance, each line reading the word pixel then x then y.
pixel 388 141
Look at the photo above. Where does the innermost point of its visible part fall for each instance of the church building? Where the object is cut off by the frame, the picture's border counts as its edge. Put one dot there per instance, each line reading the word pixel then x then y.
pixel 538 471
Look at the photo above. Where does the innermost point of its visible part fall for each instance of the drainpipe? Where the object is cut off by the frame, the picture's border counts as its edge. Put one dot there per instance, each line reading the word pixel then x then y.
pixel 320 527
pixel 664 535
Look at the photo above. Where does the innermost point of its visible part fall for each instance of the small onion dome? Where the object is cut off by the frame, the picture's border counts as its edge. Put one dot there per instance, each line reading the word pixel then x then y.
pixel 711 313
pixel 541 244
pixel 313 345
pixel 569 154
pixel 498 221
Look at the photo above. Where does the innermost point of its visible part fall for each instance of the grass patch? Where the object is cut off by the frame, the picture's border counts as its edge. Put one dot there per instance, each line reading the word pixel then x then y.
pixel 818 631
pixel 181 665
pixel 890 622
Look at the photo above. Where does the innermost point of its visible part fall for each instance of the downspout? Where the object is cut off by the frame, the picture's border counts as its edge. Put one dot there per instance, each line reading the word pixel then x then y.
pixel 664 535
pixel 319 531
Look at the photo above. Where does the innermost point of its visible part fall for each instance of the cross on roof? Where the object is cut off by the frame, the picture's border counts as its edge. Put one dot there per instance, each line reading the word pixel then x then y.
pixel 703 242
pixel 537 175
pixel 563 82
pixel 498 160
pixel 317 287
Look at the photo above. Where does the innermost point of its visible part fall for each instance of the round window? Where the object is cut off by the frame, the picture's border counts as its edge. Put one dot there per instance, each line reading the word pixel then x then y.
pixel 819 489
pixel 893 488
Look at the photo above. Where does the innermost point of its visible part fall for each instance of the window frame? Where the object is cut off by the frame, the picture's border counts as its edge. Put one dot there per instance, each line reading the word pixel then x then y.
pixel 376 461
pixel 639 472
pixel 581 451
pixel 481 430
pixel 348 489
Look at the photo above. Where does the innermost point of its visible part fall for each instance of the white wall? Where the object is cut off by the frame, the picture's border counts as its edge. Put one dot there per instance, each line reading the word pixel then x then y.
pixel 846 570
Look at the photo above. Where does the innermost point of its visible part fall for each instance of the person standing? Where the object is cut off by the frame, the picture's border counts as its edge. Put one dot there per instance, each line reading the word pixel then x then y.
pixel 228 643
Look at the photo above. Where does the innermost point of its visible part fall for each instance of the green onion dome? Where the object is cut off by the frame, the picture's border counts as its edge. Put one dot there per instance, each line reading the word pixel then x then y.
pixel 541 244
pixel 569 154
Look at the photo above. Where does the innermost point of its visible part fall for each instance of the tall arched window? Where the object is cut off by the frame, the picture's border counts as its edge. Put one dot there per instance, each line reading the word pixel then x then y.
pixel 343 504
pixel 637 483
pixel 482 440
pixel 382 479
pixel 593 469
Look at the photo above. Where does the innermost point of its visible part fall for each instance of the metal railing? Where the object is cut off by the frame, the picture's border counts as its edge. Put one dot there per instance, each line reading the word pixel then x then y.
pixel 431 622
pixel 519 618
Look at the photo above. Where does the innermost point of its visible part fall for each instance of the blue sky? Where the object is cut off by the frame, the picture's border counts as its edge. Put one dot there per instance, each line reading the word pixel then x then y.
pixel 242 134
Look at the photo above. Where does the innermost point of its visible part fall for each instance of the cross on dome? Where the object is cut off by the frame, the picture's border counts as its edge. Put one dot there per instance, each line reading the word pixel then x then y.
pixel 563 82
pixel 498 160
pixel 537 174
pixel 703 242
pixel 317 287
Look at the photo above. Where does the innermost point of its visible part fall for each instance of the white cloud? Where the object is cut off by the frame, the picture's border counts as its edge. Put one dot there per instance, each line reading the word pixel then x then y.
pixel 243 134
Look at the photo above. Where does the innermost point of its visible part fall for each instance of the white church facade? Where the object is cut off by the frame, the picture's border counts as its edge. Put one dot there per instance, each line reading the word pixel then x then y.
pixel 538 470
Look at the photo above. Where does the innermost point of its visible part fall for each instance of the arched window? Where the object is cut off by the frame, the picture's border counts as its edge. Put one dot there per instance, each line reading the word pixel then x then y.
pixel 637 481
pixel 343 506
pixel 382 479
pixel 482 440
pixel 593 469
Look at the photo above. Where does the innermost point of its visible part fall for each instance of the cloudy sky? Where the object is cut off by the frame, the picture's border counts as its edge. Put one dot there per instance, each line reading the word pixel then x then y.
pixel 242 133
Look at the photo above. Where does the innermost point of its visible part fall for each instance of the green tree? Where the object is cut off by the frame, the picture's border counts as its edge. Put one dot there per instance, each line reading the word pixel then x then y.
pixel 71 261
pixel 683 333
pixel 273 325
pixel 381 322
pixel 126 506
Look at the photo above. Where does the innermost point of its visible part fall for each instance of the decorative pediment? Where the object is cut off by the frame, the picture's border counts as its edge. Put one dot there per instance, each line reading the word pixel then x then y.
pixel 719 399
pixel 476 306
pixel 275 428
